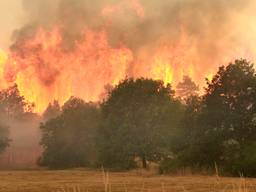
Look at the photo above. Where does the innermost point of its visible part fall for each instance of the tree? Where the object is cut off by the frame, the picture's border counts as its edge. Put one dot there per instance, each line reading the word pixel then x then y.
pixel 187 135
pixel 187 88
pixel 138 118
pixel 230 101
pixel 185 145
pixel 68 139
pixel 52 111
pixel 225 124
pixel 4 140
pixel 13 105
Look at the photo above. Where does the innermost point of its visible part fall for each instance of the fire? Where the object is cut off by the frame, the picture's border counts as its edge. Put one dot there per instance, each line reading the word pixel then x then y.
pixel 44 71
pixel 3 59
pixel 162 71
pixel 162 68
pixel 114 41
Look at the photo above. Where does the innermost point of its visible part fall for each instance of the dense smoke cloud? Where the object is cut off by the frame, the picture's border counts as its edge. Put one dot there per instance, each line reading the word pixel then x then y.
pixel 158 39
pixel 159 19
pixel 208 23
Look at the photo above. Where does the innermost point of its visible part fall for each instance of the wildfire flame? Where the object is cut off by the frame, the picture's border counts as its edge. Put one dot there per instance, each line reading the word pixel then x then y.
pixel 45 69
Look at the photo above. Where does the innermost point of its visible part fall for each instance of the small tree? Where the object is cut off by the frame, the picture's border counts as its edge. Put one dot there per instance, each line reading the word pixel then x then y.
pixel 224 126
pixel 68 140
pixel 187 88
pixel 4 140
pixel 13 105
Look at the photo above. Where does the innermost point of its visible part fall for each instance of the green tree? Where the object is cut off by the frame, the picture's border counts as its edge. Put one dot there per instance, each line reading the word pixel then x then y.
pixel 14 111
pixel 225 125
pixel 13 105
pixel 68 140
pixel 230 102
pixel 138 119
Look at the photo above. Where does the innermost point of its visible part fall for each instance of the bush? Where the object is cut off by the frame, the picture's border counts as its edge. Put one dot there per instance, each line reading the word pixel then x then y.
pixel 68 140
pixel 244 164
pixel 169 165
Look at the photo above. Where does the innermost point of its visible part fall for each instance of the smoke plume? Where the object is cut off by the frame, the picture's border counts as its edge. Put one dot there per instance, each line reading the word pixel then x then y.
pixel 76 47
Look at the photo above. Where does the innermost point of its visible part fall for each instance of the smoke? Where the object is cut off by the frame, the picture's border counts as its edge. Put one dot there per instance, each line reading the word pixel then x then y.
pixel 135 28
pixel 208 23
pixel 158 39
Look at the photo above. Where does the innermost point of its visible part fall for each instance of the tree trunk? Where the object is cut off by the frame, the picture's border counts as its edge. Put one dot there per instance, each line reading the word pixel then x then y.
pixel 144 162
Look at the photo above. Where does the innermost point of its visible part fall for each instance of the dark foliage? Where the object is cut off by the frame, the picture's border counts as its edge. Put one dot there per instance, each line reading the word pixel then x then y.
pixel 220 129
pixel 143 119
pixel 138 120
pixel 68 139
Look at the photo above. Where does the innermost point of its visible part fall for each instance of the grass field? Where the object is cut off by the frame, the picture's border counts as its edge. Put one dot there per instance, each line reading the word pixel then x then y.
pixel 81 180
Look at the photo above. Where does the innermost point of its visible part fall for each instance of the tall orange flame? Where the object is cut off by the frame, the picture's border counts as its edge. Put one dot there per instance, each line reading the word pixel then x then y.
pixel 46 69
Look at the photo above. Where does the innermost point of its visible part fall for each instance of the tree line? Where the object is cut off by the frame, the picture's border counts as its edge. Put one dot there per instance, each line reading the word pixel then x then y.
pixel 147 120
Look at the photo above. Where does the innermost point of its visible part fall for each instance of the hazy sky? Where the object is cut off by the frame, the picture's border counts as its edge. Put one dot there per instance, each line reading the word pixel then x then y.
pixel 10 19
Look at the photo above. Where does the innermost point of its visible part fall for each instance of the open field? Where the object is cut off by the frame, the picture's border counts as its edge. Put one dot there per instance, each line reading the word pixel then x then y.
pixel 79 181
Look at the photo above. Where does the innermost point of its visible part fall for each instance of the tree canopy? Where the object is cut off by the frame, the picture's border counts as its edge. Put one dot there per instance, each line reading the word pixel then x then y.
pixel 52 111
pixel 68 139
pixel 221 126
pixel 144 119
pixel 13 105
pixel 138 119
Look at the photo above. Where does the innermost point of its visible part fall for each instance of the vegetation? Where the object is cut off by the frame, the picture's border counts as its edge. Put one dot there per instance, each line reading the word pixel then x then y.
pixel 68 139
pixel 52 111
pixel 143 120
pixel 219 127
pixel 95 181
pixel 4 138
pixel 13 107
pixel 138 120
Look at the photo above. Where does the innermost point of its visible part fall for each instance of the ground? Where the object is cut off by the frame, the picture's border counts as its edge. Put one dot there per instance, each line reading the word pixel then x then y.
pixel 86 181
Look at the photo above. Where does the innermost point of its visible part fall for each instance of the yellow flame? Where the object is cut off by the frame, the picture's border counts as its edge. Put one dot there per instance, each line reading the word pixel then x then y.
pixel 210 76
pixel 162 70
pixel 3 59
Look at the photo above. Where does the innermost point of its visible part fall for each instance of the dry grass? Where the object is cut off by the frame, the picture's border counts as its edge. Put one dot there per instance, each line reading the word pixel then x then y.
pixel 98 181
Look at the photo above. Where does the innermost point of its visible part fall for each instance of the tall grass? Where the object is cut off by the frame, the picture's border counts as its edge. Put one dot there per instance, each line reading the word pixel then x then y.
pixel 240 185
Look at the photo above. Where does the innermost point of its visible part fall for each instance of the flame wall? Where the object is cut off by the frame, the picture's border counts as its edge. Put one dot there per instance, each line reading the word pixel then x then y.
pixel 76 47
